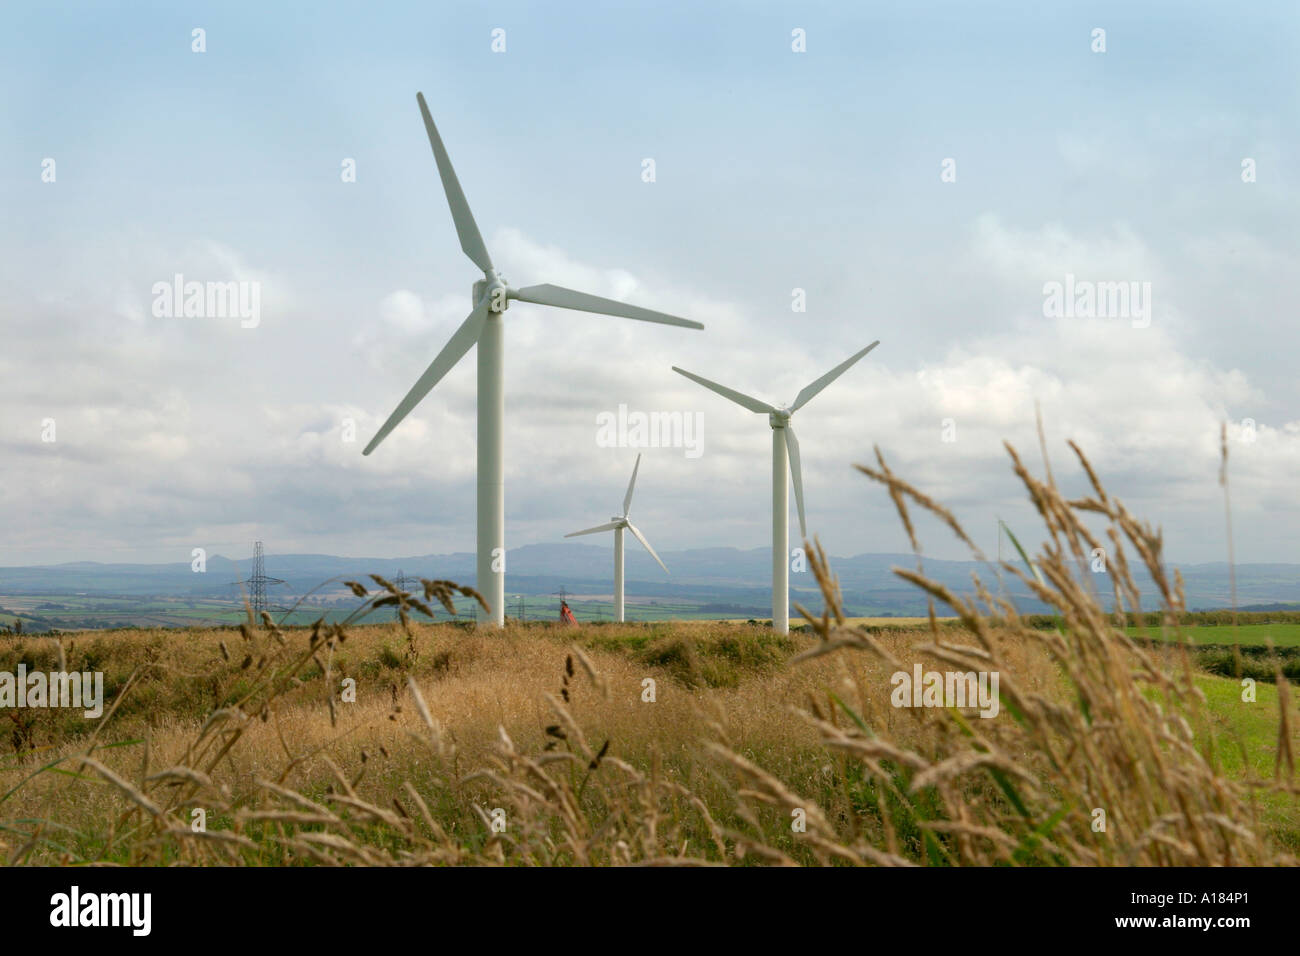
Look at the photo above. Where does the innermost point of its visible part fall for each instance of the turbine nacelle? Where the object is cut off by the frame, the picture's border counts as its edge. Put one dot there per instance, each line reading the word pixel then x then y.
pixel 494 288
pixel 779 418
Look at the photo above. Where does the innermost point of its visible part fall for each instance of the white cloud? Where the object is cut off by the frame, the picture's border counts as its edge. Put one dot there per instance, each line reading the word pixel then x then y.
pixel 172 433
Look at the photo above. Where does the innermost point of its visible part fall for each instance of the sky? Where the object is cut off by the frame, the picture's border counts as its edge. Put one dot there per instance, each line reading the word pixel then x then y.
pixel 921 173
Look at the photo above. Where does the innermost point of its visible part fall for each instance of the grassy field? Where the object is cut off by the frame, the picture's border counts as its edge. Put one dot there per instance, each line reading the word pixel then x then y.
pixel 891 622
pixel 1254 635
pixel 725 719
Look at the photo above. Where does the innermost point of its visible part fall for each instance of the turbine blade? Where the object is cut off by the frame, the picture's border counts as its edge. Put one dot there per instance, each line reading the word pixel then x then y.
pixel 796 472
pixel 810 390
pixel 466 228
pixel 582 302
pixel 640 537
pixel 607 526
pixel 753 404
pixel 627 498
pixel 451 353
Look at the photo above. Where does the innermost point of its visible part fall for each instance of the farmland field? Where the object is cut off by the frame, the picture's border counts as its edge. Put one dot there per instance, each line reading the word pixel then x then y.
pixel 73 612
pixel 552 726
pixel 1282 635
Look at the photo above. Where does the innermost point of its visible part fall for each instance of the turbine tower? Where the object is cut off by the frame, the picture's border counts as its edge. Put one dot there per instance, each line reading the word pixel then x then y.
pixel 617 524
pixel 785 448
pixel 484 327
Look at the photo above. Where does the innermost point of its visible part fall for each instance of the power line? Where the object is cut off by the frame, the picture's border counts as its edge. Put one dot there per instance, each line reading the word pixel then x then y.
pixel 257 583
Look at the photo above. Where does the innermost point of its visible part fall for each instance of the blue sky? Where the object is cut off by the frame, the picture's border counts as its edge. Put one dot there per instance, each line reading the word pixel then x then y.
pixel 774 171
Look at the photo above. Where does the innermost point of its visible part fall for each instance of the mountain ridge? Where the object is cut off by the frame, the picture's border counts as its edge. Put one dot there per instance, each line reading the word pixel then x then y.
pixel 718 575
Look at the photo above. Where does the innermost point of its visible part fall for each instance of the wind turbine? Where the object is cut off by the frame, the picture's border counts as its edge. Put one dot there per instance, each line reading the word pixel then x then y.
pixel 484 327
pixel 784 447
pixel 617 524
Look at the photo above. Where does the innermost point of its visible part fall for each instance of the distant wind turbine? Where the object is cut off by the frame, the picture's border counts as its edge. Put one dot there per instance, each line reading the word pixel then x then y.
pixel 617 524
pixel 484 327
pixel 784 447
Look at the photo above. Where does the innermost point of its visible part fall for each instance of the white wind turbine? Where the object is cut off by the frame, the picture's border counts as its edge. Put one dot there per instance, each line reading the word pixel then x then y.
pixel 617 524
pixel 484 327
pixel 784 445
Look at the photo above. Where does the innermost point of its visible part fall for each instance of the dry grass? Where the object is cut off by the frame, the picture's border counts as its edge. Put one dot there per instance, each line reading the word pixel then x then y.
pixel 537 746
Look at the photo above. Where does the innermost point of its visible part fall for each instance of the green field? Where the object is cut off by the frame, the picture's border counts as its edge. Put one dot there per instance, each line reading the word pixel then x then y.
pixel 1247 747
pixel 1282 635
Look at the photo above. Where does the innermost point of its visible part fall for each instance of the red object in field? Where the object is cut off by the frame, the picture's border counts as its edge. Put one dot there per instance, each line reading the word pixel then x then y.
pixel 566 616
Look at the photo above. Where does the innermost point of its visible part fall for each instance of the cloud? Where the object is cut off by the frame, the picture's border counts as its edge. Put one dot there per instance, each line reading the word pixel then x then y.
pixel 174 435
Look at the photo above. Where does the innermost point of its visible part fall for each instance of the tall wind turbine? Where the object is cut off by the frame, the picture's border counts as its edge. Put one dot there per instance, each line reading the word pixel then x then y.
pixel 617 524
pixel 484 327
pixel 784 447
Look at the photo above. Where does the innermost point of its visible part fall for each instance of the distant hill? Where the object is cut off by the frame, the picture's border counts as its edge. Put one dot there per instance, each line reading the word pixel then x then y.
pixel 726 578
